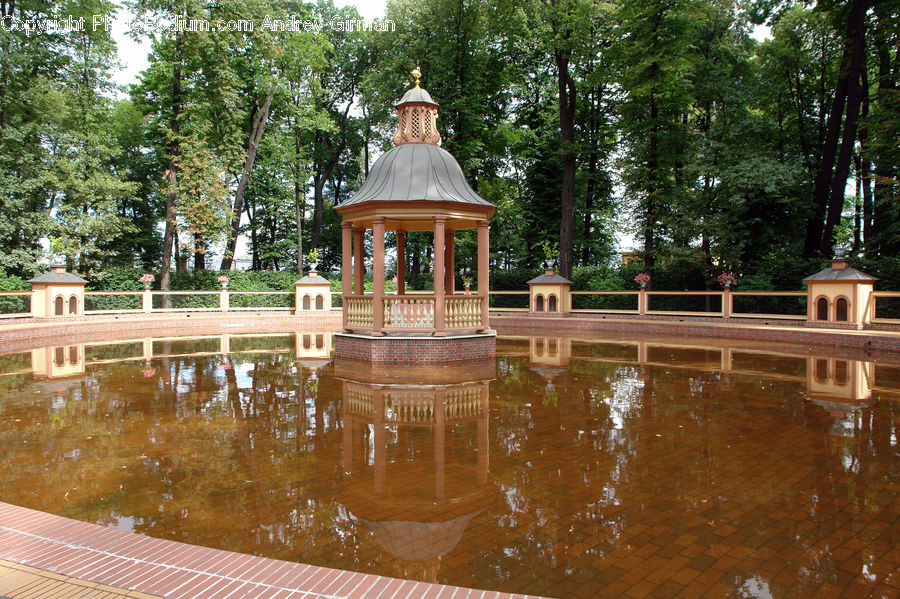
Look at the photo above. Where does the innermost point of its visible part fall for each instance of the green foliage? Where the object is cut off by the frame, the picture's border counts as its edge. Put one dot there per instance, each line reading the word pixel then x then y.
pixel 700 142
pixel 16 304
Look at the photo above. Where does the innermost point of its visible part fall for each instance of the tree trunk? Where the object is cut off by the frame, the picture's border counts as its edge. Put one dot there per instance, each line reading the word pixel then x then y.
pixel 857 206
pixel 299 201
pixel 199 253
pixel 567 132
pixel 885 213
pixel 652 165
pixel 257 127
pixel 593 157
pixel 815 224
pixel 298 216
pixel 864 172
pixel 324 173
pixel 171 176
pixel 856 33
pixel 319 179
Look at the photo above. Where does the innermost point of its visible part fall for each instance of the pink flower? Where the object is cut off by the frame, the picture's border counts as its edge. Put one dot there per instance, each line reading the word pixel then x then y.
pixel 225 366
pixel 394 279
pixel 726 278
pixel 148 372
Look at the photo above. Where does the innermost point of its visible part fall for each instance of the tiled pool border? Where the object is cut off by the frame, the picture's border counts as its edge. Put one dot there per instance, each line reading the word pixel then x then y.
pixel 22 334
pixel 173 570
pixel 880 338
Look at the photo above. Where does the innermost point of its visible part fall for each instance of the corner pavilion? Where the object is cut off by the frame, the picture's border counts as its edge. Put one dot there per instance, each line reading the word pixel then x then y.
pixel 415 186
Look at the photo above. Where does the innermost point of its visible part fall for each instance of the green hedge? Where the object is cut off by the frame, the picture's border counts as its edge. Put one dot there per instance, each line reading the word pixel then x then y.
pixel 16 304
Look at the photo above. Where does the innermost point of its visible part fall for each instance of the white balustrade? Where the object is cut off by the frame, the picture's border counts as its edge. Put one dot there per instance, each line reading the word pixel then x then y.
pixel 360 312
pixel 409 312
pixel 462 312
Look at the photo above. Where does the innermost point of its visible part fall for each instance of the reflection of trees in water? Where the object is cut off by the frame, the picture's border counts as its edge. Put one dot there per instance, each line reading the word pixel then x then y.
pixel 249 458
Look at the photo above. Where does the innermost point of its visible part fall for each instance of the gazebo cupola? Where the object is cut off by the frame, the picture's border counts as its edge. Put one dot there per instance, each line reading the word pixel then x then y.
pixel 415 186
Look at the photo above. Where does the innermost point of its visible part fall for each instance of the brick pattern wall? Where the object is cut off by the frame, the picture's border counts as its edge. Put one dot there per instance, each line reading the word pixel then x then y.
pixel 21 336
pixel 872 338
pixel 25 334
pixel 398 350
pixel 751 322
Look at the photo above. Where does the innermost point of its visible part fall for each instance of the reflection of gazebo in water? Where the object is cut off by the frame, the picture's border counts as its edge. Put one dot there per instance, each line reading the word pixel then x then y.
pixel 416 186
pixel 412 475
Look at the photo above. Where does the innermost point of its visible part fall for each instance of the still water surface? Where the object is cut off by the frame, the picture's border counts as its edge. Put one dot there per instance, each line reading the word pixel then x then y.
pixel 567 468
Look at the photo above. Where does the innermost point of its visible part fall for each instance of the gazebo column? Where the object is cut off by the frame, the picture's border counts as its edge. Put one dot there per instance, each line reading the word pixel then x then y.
pixel 346 267
pixel 347 426
pixel 449 278
pixel 484 449
pixel 483 274
pixel 401 262
pixel 380 439
pixel 439 457
pixel 439 253
pixel 378 276
pixel 359 267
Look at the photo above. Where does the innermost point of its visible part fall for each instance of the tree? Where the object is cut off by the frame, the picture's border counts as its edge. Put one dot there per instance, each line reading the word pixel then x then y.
pixel 653 56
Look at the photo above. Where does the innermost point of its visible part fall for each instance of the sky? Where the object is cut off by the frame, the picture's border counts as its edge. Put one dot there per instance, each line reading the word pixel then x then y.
pixel 133 54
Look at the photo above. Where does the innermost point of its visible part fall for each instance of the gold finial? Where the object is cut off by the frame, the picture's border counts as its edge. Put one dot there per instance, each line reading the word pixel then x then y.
pixel 416 73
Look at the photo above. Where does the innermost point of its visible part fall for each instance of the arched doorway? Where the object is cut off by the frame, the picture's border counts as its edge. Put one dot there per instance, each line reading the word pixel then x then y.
pixel 841 309
pixel 822 308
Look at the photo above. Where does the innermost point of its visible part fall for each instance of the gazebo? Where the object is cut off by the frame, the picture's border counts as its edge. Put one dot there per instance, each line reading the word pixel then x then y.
pixel 415 186
pixel 399 428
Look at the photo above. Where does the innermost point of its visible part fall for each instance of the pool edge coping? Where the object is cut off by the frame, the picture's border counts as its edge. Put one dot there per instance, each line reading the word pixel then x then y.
pixel 160 567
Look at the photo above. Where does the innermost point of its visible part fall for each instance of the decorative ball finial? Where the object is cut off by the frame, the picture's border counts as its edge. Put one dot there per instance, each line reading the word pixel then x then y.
pixel 416 73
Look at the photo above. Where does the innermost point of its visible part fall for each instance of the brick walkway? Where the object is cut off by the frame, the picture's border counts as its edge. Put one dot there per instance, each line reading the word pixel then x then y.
pixel 24 582
pixel 79 557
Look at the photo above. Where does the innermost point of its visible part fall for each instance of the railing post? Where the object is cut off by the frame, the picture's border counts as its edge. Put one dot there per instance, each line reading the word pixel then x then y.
pixel 484 274
pixel 378 276
pixel 642 302
pixel 346 272
pixel 223 300
pixel 147 301
pixel 439 256
pixel 726 302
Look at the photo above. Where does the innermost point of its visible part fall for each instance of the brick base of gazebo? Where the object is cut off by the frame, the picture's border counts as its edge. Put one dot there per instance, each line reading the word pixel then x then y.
pixel 410 349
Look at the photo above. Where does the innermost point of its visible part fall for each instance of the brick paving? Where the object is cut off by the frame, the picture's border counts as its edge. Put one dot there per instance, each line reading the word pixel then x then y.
pixel 24 582
pixel 40 552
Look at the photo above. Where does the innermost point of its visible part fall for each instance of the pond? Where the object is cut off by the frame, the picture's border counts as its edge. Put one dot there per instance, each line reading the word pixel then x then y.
pixel 565 467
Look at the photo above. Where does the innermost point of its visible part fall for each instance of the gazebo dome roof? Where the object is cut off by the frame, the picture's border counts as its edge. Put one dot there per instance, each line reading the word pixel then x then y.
pixel 416 94
pixel 416 172
pixel 417 169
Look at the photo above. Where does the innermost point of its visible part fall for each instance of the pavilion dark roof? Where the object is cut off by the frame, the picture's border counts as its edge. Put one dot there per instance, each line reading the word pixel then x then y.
pixel 313 279
pixel 416 172
pixel 57 277
pixel 840 274
pixel 555 279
